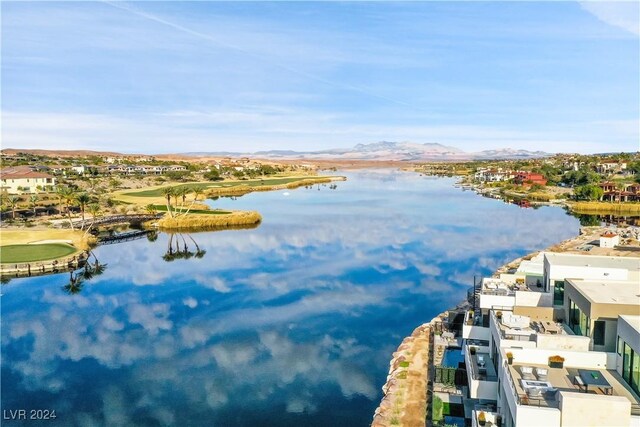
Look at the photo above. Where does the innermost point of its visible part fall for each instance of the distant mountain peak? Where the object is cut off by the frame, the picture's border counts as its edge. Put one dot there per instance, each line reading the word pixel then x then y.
pixel 395 151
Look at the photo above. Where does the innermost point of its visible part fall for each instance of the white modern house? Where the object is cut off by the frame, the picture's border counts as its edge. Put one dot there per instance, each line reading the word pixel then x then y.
pixel 546 364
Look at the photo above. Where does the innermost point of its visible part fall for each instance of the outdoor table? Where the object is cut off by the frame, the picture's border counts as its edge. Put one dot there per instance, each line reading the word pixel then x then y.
pixel 550 327
pixel 596 378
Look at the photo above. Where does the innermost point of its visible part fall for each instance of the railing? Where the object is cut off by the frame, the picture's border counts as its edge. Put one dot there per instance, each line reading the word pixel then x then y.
pixel 114 219
pixel 44 267
pixel 635 409
pixel 498 292
pixel 509 336
pixel 475 368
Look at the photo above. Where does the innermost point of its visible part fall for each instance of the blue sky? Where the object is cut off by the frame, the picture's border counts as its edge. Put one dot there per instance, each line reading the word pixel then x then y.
pixel 160 77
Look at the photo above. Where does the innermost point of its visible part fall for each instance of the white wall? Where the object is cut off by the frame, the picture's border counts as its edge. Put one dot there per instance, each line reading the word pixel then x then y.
pixel 533 299
pixel 563 342
pixel 574 359
pixel 583 409
pixel 533 416
pixel 489 301
pixel 475 332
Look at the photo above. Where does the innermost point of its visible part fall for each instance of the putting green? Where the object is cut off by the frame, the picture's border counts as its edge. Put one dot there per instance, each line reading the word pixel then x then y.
pixel 11 254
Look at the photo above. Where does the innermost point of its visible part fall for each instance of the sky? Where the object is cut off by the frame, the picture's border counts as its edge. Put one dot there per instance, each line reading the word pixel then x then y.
pixel 166 77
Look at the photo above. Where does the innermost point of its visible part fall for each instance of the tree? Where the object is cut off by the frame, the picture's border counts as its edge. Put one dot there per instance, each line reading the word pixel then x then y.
pixel 13 202
pixel 33 201
pixel 168 192
pixel 67 195
pixel 151 209
pixel 620 187
pixel 212 175
pixel 183 192
pixel 83 199
pixel 588 192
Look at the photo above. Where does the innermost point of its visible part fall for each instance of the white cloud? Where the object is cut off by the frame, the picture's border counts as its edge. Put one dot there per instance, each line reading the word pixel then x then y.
pixel 621 14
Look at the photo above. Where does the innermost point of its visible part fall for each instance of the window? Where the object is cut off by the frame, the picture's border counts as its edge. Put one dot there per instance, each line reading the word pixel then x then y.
pixel 635 372
pixel 598 332
pixel 620 344
pixel 558 292
pixel 626 363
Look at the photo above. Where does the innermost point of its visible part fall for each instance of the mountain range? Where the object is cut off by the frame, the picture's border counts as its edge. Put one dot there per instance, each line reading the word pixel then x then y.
pixel 386 150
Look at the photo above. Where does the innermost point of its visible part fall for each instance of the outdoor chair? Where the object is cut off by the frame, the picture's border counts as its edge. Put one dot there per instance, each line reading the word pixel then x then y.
pixel 481 361
pixel 527 373
pixel 542 373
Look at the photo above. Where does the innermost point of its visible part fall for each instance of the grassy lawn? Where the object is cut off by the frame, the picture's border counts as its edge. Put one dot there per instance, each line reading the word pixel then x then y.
pixel 29 253
pixel 157 192
pixel 163 208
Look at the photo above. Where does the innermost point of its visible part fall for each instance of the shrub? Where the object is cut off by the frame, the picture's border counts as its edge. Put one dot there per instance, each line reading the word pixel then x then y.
pixel 556 359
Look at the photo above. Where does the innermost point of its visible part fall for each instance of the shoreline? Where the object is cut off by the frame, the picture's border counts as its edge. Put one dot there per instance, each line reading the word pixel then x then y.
pixel 392 409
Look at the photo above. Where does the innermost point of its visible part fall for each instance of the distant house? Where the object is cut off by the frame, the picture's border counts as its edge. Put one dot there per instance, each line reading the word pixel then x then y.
pixel 611 167
pixel 625 193
pixel 529 178
pixel 609 240
pixel 493 175
pixel 25 179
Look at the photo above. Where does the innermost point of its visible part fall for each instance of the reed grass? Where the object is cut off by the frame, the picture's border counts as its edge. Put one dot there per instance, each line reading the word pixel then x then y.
pixel 206 222
pixel 605 207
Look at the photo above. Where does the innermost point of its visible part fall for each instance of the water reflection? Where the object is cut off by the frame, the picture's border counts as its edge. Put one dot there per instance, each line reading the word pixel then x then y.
pixel 181 251
pixel 288 324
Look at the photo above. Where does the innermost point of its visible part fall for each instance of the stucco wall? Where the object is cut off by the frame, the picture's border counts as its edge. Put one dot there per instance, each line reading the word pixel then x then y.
pixel 583 410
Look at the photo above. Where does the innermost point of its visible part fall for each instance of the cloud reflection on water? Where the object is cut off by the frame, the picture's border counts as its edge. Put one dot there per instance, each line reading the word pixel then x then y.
pixel 277 322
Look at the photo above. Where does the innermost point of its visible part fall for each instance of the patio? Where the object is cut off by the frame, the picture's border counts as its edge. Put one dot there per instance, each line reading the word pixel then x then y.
pixel 563 379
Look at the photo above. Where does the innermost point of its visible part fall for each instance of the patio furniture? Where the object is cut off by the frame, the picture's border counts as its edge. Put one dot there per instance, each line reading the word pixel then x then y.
pixel 481 361
pixel 542 373
pixel 551 327
pixel 578 381
pixel 527 373
pixel 596 378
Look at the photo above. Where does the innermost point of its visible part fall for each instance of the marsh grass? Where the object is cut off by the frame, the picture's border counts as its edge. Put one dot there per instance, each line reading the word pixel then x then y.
pixel 605 207
pixel 208 222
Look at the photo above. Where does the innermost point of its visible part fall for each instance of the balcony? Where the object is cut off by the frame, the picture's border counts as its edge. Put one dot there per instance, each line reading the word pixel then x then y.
pixel 530 388
pixel 491 418
pixel 482 376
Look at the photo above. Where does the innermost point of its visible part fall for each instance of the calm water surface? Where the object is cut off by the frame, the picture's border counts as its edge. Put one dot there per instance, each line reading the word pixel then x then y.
pixel 288 324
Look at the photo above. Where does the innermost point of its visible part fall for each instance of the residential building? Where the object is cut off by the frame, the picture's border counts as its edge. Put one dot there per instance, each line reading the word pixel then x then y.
pixel 25 179
pixel 535 361
pixel 529 178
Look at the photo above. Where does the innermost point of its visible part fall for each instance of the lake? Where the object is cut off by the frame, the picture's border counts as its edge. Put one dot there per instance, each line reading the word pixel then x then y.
pixel 291 323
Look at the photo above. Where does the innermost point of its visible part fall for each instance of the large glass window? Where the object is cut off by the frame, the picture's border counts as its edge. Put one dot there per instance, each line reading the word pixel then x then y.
pixel 620 343
pixel 626 363
pixel 598 332
pixel 635 372
pixel 579 322
pixel 558 292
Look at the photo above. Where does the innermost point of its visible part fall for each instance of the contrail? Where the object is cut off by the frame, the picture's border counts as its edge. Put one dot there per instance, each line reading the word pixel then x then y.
pixel 128 8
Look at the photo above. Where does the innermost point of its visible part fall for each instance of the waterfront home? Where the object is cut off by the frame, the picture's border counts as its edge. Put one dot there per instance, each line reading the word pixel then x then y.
pixel 556 345
pixel 529 178
pixel 609 240
pixel 25 179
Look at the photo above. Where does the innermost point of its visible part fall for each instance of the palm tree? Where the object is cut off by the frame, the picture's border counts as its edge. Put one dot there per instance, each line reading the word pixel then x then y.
pixel 620 186
pixel 67 195
pixel 168 192
pixel 83 199
pixel 13 201
pixel 197 190
pixel 151 209
pixel 33 200
pixel 75 284
pixel 182 192
pixel 94 210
